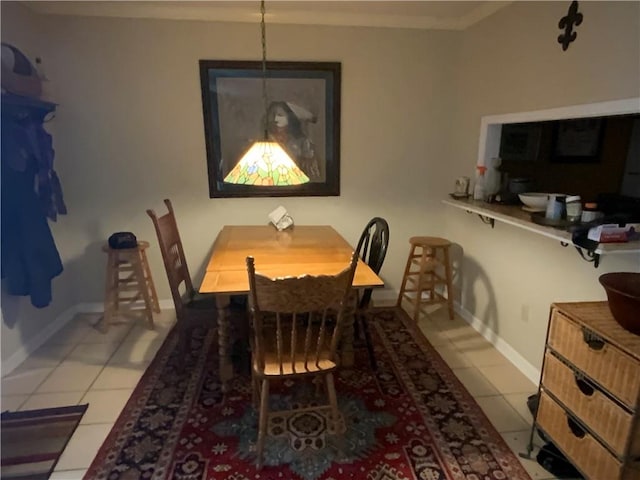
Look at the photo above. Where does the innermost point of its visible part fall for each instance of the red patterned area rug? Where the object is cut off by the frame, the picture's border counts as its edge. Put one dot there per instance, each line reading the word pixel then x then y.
pixel 412 419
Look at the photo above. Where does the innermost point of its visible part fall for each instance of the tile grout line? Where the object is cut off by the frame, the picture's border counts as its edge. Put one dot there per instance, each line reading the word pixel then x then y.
pixel 111 424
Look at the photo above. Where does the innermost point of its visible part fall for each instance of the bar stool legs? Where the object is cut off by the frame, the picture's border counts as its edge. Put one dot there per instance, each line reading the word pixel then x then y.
pixel 128 281
pixel 428 266
pixel 149 279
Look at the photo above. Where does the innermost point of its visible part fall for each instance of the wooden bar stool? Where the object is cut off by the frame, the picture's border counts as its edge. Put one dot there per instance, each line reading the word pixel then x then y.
pixel 427 267
pixel 129 281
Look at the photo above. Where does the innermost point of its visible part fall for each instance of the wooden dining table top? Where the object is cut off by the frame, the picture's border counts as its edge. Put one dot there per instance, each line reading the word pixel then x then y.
pixel 300 250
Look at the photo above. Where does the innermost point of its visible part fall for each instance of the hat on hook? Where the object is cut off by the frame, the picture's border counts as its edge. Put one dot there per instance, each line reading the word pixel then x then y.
pixel 19 76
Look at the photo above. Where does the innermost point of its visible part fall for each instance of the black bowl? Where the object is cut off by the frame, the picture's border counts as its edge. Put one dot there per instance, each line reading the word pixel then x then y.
pixel 623 292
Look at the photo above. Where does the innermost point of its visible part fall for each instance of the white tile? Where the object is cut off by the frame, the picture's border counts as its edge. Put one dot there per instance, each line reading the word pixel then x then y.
pixel 503 417
pixel 140 333
pixel 88 318
pixel 136 352
pixel 72 333
pixel 383 302
pixel 439 312
pixel 475 383
pixel 83 446
pixel 50 400
pixel 17 383
pixel 518 442
pixel 72 377
pixel 12 402
pixel 114 334
pixel 508 379
pixel 458 330
pixel 119 376
pixel 519 403
pixel 68 474
pixel 165 317
pixel 433 333
pixel 104 405
pixel 466 338
pixel 484 356
pixel 453 357
pixel 46 356
pixel 91 353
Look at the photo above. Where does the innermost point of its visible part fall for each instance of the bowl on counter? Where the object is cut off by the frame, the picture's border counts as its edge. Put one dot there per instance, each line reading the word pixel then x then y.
pixel 623 293
pixel 534 199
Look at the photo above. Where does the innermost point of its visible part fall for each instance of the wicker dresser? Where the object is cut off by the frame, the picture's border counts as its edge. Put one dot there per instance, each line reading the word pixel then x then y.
pixel 590 391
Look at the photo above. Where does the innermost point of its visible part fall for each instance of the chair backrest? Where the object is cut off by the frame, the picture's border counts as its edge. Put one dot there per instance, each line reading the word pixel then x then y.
pixel 300 311
pixel 175 262
pixel 372 248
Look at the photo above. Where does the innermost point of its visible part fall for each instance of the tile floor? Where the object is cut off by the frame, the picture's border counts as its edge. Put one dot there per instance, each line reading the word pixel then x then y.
pixel 81 365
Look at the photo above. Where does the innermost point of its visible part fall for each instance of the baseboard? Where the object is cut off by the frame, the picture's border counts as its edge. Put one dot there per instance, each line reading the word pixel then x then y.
pixel 61 320
pixel 98 307
pixel 521 363
pixel 38 340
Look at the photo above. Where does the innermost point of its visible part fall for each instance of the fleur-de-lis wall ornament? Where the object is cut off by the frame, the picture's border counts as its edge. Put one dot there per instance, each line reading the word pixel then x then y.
pixel 573 18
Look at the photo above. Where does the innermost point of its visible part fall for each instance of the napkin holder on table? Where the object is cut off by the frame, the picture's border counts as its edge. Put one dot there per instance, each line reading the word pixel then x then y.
pixel 281 218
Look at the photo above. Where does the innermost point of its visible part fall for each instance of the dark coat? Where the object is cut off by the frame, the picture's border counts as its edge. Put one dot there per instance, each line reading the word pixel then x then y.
pixel 30 259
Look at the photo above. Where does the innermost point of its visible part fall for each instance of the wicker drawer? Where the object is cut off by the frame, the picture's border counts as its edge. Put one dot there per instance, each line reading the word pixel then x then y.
pixel 582 449
pixel 616 371
pixel 606 419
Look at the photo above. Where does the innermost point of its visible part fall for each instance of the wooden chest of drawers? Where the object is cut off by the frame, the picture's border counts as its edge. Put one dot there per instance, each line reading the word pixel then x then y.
pixel 590 391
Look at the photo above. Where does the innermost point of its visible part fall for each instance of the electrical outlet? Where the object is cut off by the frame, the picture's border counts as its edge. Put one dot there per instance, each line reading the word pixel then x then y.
pixel 524 313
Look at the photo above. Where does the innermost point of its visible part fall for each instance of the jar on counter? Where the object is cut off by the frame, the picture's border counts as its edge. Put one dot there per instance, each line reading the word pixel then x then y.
pixel 574 208
pixel 556 207
pixel 590 212
pixel 520 185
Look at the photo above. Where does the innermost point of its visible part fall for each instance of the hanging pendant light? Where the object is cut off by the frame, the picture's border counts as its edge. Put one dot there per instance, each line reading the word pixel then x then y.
pixel 266 163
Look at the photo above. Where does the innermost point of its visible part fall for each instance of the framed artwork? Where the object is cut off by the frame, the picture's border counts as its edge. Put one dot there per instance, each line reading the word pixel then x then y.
pixel 577 140
pixel 302 114
pixel 520 142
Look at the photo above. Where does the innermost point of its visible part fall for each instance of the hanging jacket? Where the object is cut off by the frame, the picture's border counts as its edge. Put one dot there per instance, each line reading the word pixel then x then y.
pixel 30 259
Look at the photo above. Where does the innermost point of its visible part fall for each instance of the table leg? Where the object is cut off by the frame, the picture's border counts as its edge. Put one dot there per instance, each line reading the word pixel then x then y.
pixel 348 332
pixel 224 335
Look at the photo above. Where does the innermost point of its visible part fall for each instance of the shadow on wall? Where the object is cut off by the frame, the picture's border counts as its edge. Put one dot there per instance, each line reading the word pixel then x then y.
pixel 24 324
pixel 95 260
pixel 469 277
pixel 10 305
pixel 456 254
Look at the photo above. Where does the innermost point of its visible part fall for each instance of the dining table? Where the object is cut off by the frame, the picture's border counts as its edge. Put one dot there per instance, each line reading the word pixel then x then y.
pixel 296 251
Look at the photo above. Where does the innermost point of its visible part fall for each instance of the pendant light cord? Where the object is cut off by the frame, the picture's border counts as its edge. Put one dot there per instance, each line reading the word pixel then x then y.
pixel 264 71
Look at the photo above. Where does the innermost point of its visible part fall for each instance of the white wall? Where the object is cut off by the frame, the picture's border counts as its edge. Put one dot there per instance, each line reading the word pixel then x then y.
pixel 511 62
pixel 21 322
pixel 130 133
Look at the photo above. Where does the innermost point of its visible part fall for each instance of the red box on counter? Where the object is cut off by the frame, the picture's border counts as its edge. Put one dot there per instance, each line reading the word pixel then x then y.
pixel 613 233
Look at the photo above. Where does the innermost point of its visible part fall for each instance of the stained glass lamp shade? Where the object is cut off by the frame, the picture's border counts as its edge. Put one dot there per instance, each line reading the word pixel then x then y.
pixel 266 164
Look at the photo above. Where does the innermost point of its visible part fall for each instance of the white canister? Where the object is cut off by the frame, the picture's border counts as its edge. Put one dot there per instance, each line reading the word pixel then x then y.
pixel 574 208
pixel 555 206
pixel 591 213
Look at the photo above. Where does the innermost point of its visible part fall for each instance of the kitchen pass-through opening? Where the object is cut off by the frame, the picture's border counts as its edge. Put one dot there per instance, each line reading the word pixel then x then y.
pixel 591 150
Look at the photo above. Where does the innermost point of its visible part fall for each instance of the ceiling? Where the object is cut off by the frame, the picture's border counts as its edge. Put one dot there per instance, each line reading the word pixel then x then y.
pixel 443 15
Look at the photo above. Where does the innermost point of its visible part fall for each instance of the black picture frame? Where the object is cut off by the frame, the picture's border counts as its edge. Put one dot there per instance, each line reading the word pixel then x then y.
pixel 577 140
pixel 307 94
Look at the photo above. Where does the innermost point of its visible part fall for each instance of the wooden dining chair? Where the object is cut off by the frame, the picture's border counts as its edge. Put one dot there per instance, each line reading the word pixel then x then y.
pixel 372 249
pixel 293 336
pixel 192 308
